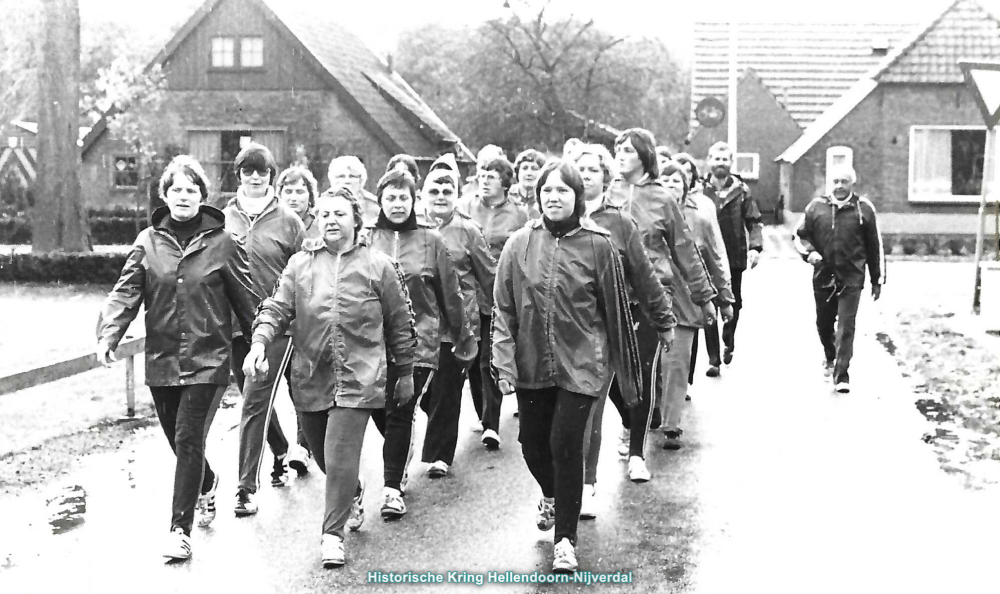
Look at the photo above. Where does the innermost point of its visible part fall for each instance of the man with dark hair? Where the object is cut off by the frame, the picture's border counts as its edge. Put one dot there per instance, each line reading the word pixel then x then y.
pixel 740 223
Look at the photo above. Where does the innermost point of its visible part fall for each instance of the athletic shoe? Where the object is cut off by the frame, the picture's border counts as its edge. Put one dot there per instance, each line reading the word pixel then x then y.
pixel 588 507
pixel 564 558
pixel 245 505
pixel 546 518
pixel 393 508
pixel 843 388
pixel 491 440
pixel 713 371
pixel 206 505
pixel 727 356
pixel 332 551
pixel 298 460
pixel 624 443
pixel 357 508
pixel 673 440
pixel 687 398
pixel 178 545
pixel 828 367
pixel 437 469
pixel 637 471
pixel 477 426
pixel 278 473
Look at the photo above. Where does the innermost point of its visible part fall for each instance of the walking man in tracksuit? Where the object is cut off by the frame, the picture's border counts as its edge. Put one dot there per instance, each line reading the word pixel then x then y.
pixel 839 236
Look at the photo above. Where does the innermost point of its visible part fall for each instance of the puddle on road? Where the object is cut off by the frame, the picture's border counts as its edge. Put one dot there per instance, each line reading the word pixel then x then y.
pixel 67 509
pixel 886 342
pixel 934 410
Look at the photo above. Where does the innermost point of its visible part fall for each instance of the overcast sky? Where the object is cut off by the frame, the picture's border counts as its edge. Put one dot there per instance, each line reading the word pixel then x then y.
pixel 380 22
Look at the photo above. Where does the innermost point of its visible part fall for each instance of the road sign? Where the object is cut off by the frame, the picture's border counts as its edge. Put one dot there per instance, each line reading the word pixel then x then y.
pixel 984 80
pixel 710 112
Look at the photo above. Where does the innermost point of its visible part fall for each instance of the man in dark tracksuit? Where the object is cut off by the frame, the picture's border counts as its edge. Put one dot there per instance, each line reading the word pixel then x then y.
pixel 839 235
pixel 740 223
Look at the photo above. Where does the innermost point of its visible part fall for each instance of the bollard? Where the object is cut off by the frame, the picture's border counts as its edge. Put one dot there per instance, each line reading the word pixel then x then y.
pixel 130 387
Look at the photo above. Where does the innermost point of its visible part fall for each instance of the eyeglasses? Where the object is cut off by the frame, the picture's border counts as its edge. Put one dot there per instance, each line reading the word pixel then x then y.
pixel 260 170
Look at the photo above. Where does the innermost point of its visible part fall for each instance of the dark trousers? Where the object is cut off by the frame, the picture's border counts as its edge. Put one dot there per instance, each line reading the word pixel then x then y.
pixel 258 421
pixel 553 424
pixel 336 437
pixel 186 413
pixel 729 328
pixel 443 404
pixel 486 396
pixel 395 423
pixel 694 357
pixel 641 415
pixel 836 313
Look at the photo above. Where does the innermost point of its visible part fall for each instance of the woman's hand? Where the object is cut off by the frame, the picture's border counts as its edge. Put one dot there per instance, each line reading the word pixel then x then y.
pixel 708 312
pixel 726 311
pixel 465 352
pixel 404 389
pixel 505 387
pixel 667 340
pixel 105 354
pixel 255 366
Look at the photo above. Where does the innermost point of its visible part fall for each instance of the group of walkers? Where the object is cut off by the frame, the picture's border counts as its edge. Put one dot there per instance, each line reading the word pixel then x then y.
pixel 564 281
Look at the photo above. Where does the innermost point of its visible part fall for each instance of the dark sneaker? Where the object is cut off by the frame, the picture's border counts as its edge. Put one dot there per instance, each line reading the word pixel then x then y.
pixel 279 474
pixel 546 517
pixel 673 440
pixel 713 371
pixel 491 439
pixel 245 505
pixel 727 356
pixel 298 460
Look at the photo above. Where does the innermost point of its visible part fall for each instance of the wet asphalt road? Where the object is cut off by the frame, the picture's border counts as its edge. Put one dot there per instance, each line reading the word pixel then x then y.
pixel 785 487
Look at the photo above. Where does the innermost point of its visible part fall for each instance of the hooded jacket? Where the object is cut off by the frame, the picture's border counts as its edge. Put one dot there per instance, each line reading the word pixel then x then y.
pixel 847 237
pixel 433 286
pixel 561 316
pixel 739 219
pixel 473 262
pixel 270 239
pixel 643 287
pixel 498 223
pixel 191 296
pixel 699 215
pixel 664 234
pixel 346 312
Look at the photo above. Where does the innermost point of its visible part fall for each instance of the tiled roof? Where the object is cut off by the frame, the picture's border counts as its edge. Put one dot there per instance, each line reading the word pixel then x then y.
pixel 965 30
pixel 806 65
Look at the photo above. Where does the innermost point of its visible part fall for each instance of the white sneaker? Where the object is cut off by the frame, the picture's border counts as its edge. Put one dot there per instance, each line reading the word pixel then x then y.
pixel 178 545
pixel 437 469
pixel 332 551
pixel 477 426
pixel 637 471
pixel 206 505
pixel 564 557
pixel 491 440
pixel 298 460
pixel 393 506
pixel 843 388
pixel 357 518
pixel 623 442
pixel 546 518
pixel 588 507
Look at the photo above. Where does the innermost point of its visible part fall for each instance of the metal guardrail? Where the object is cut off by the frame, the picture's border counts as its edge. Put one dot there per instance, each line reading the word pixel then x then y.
pixel 45 374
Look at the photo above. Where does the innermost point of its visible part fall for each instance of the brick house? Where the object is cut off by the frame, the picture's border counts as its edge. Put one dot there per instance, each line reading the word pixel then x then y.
pixel 910 128
pixel 283 73
pixel 789 75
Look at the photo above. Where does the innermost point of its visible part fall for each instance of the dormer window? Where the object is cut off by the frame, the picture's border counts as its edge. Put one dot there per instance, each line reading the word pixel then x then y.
pixel 880 46
pixel 234 53
pixel 223 52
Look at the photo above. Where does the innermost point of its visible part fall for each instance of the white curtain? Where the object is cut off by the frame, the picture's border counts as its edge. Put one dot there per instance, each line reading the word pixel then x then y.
pixel 931 162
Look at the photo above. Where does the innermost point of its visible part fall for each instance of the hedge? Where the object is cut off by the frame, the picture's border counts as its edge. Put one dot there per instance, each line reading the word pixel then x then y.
pixel 103 268
pixel 104 230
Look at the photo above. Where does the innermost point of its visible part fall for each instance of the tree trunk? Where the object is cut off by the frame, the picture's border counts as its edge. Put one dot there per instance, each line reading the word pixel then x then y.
pixel 59 220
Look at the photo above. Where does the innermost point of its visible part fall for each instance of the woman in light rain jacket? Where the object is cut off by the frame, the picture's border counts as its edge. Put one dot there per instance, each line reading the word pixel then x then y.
pixel 192 277
pixel 436 297
pixel 476 269
pixel 348 310
pixel 646 291
pixel 638 192
pixel 561 327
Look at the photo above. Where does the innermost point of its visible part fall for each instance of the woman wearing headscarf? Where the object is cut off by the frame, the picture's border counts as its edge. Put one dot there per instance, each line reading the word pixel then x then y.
pixel 349 312
pixel 704 227
pixel 193 279
pixel 638 192
pixel 644 287
pixel 476 269
pixel 499 217
pixel 561 327
pixel 436 297
pixel 526 168
pixel 271 233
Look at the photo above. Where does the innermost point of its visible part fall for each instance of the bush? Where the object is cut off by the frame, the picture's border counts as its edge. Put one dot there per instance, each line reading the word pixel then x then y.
pixel 910 245
pixel 103 230
pixel 67 268
pixel 932 245
pixel 956 246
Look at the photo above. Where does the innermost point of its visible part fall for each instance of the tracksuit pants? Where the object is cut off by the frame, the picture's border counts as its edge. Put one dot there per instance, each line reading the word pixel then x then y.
pixel 443 405
pixel 486 396
pixel 728 328
pixel 836 314
pixel 676 365
pixel 395 423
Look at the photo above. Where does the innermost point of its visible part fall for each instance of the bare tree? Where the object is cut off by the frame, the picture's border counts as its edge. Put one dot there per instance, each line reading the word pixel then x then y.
pixel 59 220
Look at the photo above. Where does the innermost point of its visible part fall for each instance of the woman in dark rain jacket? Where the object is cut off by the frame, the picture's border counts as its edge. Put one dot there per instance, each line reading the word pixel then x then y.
pixel 561 327
pixel 436 297
pixel 192 277
pixel 349 311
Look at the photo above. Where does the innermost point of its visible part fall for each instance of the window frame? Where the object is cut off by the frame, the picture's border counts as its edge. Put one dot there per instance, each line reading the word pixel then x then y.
pixel 754 173
pixel 237 54
pixel 243 39
pixel 211 53
pixel 943 198
pixel 114 172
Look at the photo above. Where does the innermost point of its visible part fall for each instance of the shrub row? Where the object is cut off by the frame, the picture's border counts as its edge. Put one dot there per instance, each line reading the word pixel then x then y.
pixel 102 268
pixel 920 244
pixel 103 230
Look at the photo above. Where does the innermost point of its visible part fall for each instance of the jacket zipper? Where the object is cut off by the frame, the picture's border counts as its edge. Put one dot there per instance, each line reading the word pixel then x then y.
pixel 395 246
pixel 336 316
pixel 549 300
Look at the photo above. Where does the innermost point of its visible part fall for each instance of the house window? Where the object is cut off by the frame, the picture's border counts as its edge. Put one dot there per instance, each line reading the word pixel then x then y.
pixel 835 157
pixel 252 52
pixel 747 165
pixel 946 163
pixel 223 52
pixel 126 173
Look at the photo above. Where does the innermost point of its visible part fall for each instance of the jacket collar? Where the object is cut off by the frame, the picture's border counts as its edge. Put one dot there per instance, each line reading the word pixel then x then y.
pixel 272 204
pixel 852 201
pixel 316 244
pixel 212 218
pixel 585 223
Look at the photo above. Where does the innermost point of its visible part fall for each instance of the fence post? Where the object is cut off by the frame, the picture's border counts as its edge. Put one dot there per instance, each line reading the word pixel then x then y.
pixel 130 386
